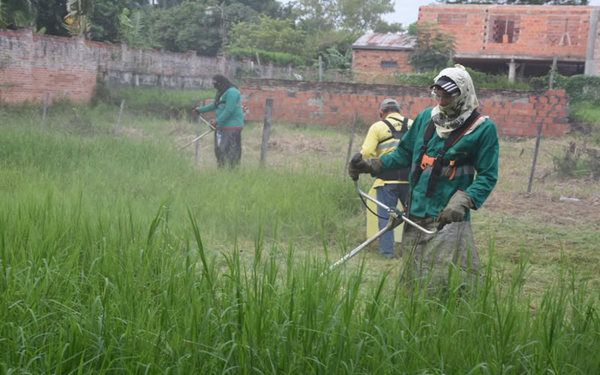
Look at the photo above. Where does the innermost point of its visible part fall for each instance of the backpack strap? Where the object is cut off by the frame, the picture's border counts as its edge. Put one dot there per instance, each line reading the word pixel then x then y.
pixel 404 125
pixel 395 174
pixel 397 134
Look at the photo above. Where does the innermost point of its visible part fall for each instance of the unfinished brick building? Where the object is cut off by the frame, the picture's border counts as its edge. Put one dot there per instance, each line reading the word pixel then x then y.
pixel 517 39
pixel 375 56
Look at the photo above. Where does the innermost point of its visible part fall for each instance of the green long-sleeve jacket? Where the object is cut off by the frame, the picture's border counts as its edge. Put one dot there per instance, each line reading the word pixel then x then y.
pixel 229 109
pixel 476 154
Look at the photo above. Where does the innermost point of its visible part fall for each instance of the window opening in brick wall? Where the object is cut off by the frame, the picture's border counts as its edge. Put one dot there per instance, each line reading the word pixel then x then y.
pixel 389 65
pixel 562 32
pixel 504 29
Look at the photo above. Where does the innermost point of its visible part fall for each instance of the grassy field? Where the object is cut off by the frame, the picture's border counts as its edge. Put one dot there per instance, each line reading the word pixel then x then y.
pixel 121 253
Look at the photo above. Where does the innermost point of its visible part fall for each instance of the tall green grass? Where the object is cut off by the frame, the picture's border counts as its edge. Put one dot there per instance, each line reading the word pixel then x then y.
pixel 118 255
pixel 156 101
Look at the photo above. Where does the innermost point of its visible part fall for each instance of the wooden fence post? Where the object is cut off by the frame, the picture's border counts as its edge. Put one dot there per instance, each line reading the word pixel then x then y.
pixel 46 103
pixel 539 129
pixel 350 143
pixel 535 154
pixel 266 131
pixel 198 131
pixel 120 114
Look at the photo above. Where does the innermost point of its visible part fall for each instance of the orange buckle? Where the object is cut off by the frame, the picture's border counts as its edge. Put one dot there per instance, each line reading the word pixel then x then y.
pixel 427 161
pixel 453 166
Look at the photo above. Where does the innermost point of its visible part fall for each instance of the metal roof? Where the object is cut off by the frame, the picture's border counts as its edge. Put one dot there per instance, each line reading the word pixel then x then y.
pixel 392 41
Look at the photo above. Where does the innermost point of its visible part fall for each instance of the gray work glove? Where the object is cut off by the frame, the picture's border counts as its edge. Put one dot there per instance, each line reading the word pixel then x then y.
pixel 359 165
pixel 455 210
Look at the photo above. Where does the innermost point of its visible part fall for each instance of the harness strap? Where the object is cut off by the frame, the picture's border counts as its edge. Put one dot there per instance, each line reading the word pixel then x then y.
pixel 438 162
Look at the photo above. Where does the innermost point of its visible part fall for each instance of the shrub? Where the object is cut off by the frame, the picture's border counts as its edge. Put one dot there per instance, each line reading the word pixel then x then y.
pixel 277 58
pixel 578 161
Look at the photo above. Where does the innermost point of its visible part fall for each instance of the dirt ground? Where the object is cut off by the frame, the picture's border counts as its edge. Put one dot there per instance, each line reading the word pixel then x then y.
pixel 561 210
pixel 548 206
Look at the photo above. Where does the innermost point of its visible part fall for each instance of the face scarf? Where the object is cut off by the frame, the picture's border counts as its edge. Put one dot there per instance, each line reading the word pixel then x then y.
pixel 450 117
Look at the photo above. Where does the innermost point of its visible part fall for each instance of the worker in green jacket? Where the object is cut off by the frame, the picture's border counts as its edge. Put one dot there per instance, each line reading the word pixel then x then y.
pixel 228 123
pixel 453 153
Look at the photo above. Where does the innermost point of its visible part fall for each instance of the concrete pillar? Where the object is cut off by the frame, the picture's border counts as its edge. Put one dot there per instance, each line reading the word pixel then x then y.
pixel 512 70
pixel 590 55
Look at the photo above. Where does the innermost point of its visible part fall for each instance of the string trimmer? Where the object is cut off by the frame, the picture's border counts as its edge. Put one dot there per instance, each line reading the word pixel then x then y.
pixel 396 217
pixel 212 128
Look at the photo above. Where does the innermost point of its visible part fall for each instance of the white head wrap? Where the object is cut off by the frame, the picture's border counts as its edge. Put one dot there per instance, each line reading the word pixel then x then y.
pixel 447 118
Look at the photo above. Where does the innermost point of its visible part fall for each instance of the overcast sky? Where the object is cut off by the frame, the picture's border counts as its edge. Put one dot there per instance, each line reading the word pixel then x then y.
pixel 406 11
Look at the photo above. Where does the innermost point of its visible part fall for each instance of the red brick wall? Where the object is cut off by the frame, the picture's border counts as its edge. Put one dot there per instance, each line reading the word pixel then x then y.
pixel 32 65
pixel 543 31
pixel 367 64
pixel 516 113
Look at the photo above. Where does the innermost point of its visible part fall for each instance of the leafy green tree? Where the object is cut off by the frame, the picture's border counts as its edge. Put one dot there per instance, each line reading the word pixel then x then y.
pixel 197 26
pixel 384 27
pixel 106 18
pixel 334 59
pixel 433 48
pixel 319 44
pixel 185 27
pixel 164 4
pixel 268 34
pixel 315 16
pixel 17 13
pixel 361 15
pixel 355 16
pixel 337 23
pixel 50 17
pixel 132 28
pixel 268 7
pixel 276 40
pixel 78 19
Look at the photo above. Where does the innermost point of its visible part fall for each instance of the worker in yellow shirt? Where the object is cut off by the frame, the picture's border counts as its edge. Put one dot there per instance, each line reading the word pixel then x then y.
pixel 389 187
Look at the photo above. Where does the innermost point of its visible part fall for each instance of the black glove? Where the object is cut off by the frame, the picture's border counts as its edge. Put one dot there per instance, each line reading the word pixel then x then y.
pixel 359 165
pixel 455 210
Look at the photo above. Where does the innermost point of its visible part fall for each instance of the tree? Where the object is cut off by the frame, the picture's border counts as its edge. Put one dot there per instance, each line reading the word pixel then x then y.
pixel 184 27
pixel 333 25
pixel 50 17
pixel 106 18
pixel 384 27
pixel 17 13
pixel 132 28
pixel 355 16
pixel 336 60
pixel 433 48
pixel 362 15
pixel 268 7
pixel 315 16
pixel 270 35
pixel 79 13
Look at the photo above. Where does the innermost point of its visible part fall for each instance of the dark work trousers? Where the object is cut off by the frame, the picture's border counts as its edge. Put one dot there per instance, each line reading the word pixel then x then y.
pixel 228 147
pixel 389 194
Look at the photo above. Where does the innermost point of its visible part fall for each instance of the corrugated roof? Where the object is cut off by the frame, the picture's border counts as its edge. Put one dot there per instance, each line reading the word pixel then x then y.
pixel 391 41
